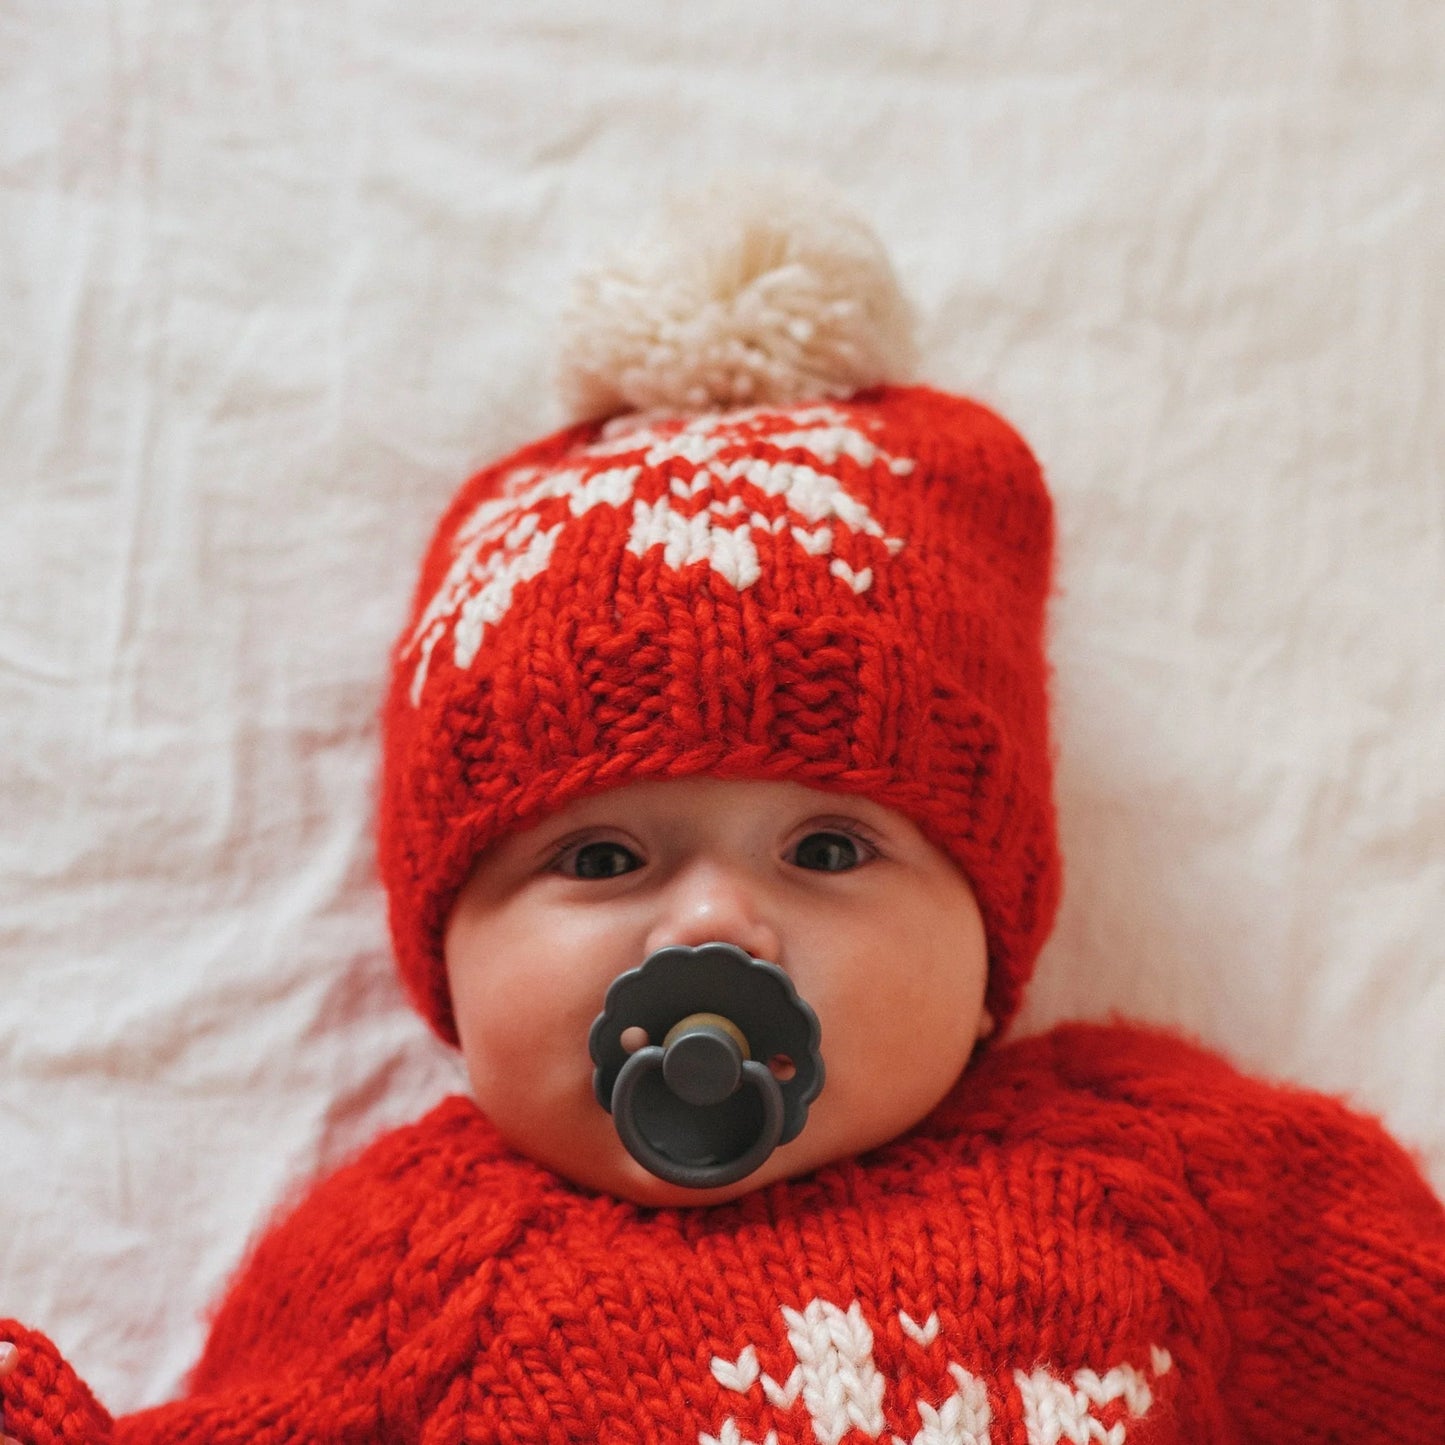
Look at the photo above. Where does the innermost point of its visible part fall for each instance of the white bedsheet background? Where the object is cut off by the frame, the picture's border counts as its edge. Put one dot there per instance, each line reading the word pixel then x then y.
pixel 274 277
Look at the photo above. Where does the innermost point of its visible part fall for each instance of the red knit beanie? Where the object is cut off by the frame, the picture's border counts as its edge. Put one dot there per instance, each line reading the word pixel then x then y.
pixel 841 584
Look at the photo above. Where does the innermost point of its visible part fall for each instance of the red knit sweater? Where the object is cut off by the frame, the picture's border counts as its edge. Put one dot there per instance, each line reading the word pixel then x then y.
pixel 1104 1234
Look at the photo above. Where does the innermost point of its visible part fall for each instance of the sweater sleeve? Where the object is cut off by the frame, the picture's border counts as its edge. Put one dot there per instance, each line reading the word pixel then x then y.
pixel 293 1353
pixel 1333 1280
pixel 341 1325
pixel 46 1402
pixel 1336 1288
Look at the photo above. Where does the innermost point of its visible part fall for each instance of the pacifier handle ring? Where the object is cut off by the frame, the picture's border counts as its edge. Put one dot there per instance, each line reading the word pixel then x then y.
pixel 695 1176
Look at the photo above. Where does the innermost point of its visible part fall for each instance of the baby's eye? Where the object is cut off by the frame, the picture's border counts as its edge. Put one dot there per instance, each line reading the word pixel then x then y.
pixel 829 852
pixel 598 860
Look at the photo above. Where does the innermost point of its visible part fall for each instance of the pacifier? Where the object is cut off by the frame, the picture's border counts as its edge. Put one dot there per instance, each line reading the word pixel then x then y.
pixel 707 1060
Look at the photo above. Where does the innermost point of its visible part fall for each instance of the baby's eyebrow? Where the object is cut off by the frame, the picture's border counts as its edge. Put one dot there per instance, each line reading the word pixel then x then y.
pixel 599 831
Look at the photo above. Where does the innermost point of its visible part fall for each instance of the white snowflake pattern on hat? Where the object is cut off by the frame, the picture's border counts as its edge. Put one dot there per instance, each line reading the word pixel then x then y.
pixel 503 542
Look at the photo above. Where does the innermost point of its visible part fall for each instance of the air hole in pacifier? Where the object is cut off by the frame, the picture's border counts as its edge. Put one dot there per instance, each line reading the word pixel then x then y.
pixel 633 1038
pixel 782 1067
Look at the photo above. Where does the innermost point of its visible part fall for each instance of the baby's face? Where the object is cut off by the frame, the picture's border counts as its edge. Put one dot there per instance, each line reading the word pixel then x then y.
pixel 877 929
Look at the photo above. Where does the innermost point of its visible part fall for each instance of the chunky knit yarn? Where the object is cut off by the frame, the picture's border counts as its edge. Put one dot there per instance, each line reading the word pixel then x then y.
pixel 848 594
pixel 1103 1235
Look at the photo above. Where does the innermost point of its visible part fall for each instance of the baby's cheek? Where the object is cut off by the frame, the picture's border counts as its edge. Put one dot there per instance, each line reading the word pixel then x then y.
pixel 896 1063
pixel 885 1016
pixel 536 1065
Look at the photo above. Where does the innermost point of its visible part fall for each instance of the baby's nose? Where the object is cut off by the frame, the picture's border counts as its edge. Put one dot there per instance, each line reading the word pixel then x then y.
pixel 713 905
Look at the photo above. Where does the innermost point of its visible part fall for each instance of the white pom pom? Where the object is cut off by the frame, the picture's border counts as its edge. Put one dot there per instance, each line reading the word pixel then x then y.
pixel 757 289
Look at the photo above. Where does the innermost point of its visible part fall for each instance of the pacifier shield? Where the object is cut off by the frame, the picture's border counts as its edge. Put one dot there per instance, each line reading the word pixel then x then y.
pixel 729 1065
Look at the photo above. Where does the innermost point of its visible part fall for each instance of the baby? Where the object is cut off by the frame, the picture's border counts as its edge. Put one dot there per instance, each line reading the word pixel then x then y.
pixel 717 830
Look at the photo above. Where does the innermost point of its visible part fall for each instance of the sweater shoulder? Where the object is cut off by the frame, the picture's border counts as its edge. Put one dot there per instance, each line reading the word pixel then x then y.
pixel 449 1142
pixel 1153 1068
pixel 1158 1092
pixel 1076 1065
pixel 377 1197
pixel 326 1263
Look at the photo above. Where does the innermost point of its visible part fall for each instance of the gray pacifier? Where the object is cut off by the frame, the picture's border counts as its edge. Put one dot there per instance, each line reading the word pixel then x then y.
pixel 707 1060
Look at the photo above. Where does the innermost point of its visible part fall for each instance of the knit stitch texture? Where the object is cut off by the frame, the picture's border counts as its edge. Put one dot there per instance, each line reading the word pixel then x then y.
pixel 1104 1234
